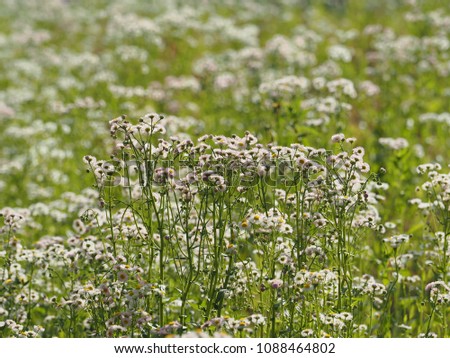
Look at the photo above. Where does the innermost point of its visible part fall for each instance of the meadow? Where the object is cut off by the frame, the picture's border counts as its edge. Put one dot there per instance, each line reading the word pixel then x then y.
pixel 224 168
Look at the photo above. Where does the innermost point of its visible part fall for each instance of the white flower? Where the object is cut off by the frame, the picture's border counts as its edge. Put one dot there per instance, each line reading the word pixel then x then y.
pixel 337 138
pixel 122 276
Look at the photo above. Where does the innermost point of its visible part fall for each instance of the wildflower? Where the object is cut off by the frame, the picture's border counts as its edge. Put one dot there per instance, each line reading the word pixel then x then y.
pixel 345 316
pixel 396 240
pixel 244 223
pixel 126 319
pixel 79 227
pixel 405 327
pixel 38 329
pixel 428 335
pixel 284 260
pixel 113 329
pixel 362 328
pixel 363 167
pixel 169 328
pixel 104 289
pixel 359 151
pixel 276 283
pixel 257 319
pixel 89 159
pixel 122 276
pixel 214 322
pixel 90 290
pixel 369 88
pixel 231 249
pixel 394 143
pixel 337 138
pixel 339 52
